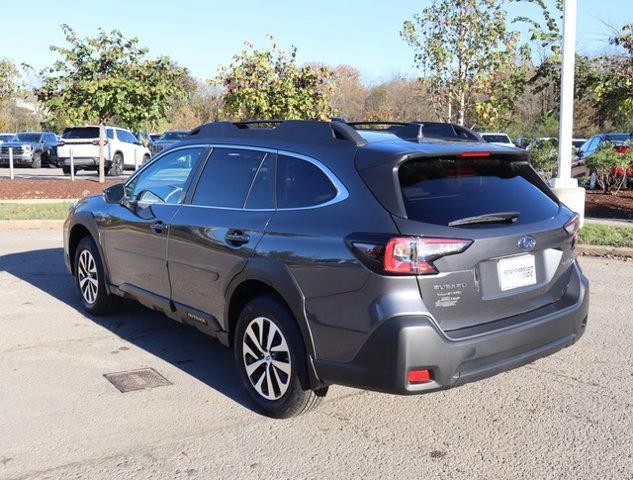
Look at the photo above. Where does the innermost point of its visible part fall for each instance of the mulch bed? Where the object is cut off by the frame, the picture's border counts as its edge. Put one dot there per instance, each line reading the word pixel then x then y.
pixel 605 205
pixel 21 188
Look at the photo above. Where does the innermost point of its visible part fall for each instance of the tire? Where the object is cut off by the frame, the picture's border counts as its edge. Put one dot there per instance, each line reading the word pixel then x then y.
pixel 90 279
pixel 116 169
pixel 66 170
pixel 280 363
pixel 37 161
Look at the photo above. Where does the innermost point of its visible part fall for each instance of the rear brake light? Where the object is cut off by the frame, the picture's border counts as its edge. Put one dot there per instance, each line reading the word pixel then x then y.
pixel 96 143
pixel 419 376
pixel 415 255
pixel 571 227
pixel 474 154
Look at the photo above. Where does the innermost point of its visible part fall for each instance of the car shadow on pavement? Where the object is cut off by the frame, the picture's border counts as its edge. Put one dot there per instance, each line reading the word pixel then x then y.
pixel 197 354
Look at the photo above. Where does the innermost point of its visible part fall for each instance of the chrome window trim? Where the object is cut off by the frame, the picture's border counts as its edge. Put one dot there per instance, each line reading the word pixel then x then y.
pixel 341 192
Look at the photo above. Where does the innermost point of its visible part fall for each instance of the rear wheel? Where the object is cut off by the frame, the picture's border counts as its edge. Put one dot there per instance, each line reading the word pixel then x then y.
pixel 66 170
pixel 90 279
pixel 271 358
pixel 116 169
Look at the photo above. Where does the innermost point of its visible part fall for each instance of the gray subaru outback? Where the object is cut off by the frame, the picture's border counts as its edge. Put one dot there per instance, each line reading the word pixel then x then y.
pixel 398 257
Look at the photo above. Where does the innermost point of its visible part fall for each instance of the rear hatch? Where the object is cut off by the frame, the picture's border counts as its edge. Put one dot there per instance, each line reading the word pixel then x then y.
pixel 83 141
pixel 521 255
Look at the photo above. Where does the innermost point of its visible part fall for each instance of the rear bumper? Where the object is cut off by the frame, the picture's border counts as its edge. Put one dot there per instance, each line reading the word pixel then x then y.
pixel 455 358
pixel 82 162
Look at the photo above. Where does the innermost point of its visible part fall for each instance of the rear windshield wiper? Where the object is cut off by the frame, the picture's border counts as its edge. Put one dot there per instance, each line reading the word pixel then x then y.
pixel 496 217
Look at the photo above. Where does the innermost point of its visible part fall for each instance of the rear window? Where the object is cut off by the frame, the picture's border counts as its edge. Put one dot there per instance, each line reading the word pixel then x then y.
pixel 496 138
pixel 444 190
pixel 82 132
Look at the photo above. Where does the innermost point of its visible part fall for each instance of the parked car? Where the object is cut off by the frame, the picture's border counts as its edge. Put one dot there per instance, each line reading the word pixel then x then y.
pixel 498 138
pixel 31 149
pixel 121 150
pixel 588 148
pixel 404 261
pixel 154 136
pixel 168 139
pixel 6 137
pixel 577 143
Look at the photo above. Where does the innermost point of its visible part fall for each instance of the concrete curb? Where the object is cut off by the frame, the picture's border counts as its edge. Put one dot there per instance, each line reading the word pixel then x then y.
pixel 605 251
pixel 31 225
pixel 37 201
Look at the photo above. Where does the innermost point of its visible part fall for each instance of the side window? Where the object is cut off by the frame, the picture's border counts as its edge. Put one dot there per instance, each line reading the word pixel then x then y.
pixel 164 180
pixel 262 192
pixel 301 183
pixel 110 133
pixel 227 177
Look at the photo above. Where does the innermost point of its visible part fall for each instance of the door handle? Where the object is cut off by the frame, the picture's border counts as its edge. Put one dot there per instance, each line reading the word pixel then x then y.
pixel 237 237
pixel 158 226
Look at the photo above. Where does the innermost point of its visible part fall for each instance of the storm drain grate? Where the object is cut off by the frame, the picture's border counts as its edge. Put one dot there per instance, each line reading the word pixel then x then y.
pixel 140 379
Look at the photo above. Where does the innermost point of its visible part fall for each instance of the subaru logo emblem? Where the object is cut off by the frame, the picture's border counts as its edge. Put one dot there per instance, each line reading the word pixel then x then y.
pixel 527 243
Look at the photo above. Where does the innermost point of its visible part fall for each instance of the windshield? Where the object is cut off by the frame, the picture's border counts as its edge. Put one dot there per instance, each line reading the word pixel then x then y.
pixel 82 132
pixel 7 138
pixel 173 135
pixel 444 190
pixel 496 138
pixel 29 137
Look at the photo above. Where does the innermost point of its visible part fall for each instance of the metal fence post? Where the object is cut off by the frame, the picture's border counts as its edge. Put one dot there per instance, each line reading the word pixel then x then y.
pixel 72 166
pixel 11 163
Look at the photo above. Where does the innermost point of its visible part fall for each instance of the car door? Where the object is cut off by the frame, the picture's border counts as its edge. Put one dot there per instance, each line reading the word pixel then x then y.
pixel 136 231
pixel 218 228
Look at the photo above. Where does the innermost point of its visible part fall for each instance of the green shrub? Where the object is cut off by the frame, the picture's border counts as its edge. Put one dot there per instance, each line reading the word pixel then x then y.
pixel 605 161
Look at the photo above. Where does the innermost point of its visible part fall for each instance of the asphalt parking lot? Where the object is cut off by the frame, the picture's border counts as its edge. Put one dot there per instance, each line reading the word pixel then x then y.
pixel 566 416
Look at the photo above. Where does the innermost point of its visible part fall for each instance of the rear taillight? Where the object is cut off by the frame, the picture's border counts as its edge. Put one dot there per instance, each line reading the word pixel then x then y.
pixel 415 255
pixel 96 143
pixel 621 148
pixel 419 376
pixel 572 227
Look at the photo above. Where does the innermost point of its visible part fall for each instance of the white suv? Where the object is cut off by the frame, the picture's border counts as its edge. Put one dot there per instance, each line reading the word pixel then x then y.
pixel 122 149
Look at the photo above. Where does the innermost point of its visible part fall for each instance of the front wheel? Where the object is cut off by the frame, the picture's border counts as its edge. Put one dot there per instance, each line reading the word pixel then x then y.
pixel 90 279
pixel 271 358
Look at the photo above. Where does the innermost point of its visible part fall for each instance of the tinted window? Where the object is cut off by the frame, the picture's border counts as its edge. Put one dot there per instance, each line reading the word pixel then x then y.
pixel 227 177
pixel 81 132
pixel 164 180
pixel 173 135
pixel 262 192
pixel 126 137
pixel 301 184
pixel 441 191
pixel 29 137
pixel 496 138
pixel 110 133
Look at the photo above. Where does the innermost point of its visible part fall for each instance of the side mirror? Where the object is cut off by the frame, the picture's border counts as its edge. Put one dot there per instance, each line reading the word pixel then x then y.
pixel 114 193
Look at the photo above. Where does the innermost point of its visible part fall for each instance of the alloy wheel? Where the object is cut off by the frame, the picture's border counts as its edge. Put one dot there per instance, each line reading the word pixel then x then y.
pixel 266 358
pixel 87 277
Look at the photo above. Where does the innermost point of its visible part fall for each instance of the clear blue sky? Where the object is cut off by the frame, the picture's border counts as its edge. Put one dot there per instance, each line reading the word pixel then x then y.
pixel 203 34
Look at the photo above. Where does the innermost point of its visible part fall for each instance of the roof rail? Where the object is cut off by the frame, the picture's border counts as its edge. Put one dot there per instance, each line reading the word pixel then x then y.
pixel 309 131
pixel 416 131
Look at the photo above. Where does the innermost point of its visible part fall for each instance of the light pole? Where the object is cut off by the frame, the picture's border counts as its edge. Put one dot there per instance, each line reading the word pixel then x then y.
pixel 564 186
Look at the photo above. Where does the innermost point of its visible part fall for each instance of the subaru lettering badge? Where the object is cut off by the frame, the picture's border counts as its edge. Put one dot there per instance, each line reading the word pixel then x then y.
pixel 527 243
